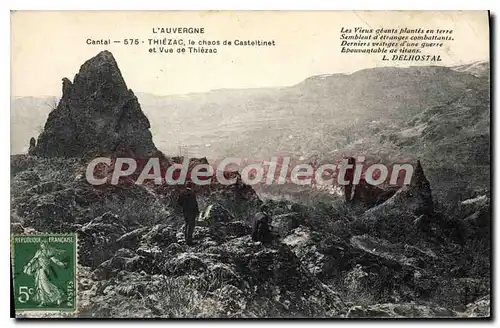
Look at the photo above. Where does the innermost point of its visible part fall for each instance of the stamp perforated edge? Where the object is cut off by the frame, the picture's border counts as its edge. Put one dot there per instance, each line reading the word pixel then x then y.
pixel 49 313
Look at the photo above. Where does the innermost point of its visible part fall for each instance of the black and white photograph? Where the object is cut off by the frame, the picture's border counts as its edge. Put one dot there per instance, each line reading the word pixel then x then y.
pixel 250 164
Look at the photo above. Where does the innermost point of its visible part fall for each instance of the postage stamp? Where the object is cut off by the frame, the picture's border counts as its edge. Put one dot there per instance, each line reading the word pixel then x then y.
pixel 44 269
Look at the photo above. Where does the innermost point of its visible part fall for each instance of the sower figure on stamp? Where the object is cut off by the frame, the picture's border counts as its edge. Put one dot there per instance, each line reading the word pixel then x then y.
pixel 261 230
pixel 45 292
pixel 349 176
pixel 189 206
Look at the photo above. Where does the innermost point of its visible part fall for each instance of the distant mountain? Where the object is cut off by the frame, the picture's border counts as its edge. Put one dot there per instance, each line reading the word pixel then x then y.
pixel 299 119
pixel 27 118
pixel 478 68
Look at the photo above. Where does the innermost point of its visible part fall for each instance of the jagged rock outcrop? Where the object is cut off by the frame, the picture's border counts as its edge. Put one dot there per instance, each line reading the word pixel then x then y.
pixel 235 276
pixel 479 308
pixel 369 195
pixel 416 198
pixel 32 146
pixel 97 114
pixel 366 268
pixel 408 212
pixel 475 212
pixel 47 206
pixel 215 215
pixel 283 224
pixel 97 239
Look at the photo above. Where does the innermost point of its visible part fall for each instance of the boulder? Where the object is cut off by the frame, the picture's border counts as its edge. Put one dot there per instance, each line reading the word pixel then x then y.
pixel 415 198
pixel 479 308
pixel 122 260
pixel 45 188
pixel 324 255
pixel 220 223
pixel 21 162
pixel 476 214
pixel 404 255
pixel 16 228
pixel 97 240
pixel 159 235
pixel 29 176
pixel 236 229
pixel 396 218
pixel 52 212
pixel 365 266
pixel 186 264
pixel 405 310
pixel 455 293
pixel 274 272
pixel 214 215
pixel 283 224
pixel 131 239
pixel 370 195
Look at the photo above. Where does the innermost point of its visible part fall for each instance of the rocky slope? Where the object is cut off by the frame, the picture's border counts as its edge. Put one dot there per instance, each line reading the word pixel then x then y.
pixel 130 256
pixel 402 258
pixel 327 261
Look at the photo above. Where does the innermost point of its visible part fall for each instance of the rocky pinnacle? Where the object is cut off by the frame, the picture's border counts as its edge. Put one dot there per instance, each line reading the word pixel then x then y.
pixel 96 115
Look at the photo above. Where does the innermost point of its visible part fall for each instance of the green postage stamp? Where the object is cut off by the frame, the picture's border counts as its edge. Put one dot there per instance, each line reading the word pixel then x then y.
pixel 44 268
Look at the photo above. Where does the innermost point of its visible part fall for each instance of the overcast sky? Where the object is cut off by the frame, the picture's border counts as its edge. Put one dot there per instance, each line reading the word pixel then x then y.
pixel 47 46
